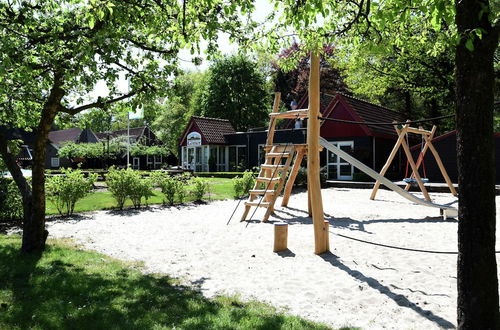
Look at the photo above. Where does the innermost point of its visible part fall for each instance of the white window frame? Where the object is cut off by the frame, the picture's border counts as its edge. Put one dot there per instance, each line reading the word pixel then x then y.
pixel 134 166
pixel 338 163
pixel 54 162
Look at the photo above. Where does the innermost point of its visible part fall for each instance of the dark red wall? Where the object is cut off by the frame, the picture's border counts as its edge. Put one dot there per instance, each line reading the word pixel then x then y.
pixel 331 130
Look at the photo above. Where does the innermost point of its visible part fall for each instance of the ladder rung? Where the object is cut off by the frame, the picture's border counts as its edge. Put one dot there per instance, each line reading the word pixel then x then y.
pixel 264 179
pixel 279 167
pixel 261 192
pixel 301 113
pixel 263 204
pixel 277 154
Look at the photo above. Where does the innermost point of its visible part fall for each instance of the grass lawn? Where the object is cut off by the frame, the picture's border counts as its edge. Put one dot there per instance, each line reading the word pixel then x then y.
pixel 67 288
pixel 220 188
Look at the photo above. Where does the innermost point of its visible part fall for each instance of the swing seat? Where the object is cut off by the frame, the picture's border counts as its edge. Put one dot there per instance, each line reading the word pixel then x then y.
pixel 413 180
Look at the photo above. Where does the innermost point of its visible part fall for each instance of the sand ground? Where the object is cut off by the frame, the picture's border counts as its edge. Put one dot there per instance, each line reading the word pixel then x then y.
pixel 392 263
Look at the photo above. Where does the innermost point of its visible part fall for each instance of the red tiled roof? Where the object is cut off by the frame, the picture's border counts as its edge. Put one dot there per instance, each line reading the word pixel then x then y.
pixel 365 110
pixel 212 129
pixel 65 135
pixel 370 112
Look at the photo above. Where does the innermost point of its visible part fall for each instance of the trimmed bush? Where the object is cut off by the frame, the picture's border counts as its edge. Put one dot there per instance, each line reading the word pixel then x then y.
pixel 119 183
pixel 140 188
pixel 66 189
pixel 200 188
pixel 181 191
pixel 11 202
pixel 241 186
pixel 167 185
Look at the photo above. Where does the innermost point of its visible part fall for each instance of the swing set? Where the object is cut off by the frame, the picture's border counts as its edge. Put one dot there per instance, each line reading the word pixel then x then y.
pixel 415 179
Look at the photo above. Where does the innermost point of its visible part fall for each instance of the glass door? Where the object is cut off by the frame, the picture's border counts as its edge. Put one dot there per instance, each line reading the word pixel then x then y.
pixel 190 158
pixel 338 168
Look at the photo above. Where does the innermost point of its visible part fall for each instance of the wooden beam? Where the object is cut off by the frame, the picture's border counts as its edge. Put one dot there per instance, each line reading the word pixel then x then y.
pixel 401 137
pixel 406 148
pixel 292 176
pixel 272 121
pixel 313 164
pixel 420 131
pixel 441 168
pixel 421 156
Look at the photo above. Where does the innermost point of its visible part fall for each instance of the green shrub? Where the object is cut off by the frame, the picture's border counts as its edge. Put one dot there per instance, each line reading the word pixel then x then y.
pixel 138 189
pixel 120 182
pixel 167 185
pixel 11 202
pixel 180 189
pixel 241 186
pixel 200 188
pixel 66 189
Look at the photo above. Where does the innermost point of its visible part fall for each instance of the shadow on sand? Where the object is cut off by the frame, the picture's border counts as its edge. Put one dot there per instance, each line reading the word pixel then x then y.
pixel 398 298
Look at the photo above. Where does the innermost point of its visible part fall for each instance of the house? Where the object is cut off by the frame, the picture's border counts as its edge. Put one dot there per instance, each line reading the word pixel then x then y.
pixel 446 146
pixel 59 138
pixel 209 144
pixel 141 135
pixel 203 146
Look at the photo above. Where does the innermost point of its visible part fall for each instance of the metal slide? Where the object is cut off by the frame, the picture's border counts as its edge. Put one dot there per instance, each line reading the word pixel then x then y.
pixel 448 211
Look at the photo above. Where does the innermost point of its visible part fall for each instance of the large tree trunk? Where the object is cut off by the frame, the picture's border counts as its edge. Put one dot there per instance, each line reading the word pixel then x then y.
pixel 34 232
pixel 477 268
pixel 17 175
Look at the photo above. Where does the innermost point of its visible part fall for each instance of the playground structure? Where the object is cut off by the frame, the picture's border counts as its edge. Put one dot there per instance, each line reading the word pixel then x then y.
pixel 273 173
pixel 402 141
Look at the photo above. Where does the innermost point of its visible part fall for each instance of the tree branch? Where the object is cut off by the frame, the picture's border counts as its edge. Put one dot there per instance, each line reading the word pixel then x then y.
pixel 150 48
pixel 100 103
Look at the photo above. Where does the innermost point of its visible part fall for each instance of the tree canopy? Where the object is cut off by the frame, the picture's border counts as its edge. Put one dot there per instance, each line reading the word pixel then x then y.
pixel 236 90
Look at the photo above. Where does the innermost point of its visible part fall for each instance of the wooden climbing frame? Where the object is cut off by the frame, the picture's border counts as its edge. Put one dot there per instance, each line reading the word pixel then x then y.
pixel 278 163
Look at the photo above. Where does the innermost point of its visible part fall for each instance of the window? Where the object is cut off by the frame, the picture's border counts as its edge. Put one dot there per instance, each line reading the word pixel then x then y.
pixel 54 162
pixel 338 168
pixel 136 163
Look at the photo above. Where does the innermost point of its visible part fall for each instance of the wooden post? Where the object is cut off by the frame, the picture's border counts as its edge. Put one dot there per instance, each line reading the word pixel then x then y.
pixel 422 155
pixel 327 229
pixel 402 134
pixel 313 165
pixel 406 148
pixel 441 167
pixel 272 120
pixel 292 176
pixel 280 236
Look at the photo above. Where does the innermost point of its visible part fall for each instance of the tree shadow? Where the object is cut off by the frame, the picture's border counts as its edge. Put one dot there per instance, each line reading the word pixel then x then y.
pixel 71 218
pixel 9 226
pixel 71 289
pixel 401 300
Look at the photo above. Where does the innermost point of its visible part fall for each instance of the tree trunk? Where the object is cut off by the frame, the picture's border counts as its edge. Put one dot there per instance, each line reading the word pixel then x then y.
pixel 17 175
pixel 477 304
pixel 34 232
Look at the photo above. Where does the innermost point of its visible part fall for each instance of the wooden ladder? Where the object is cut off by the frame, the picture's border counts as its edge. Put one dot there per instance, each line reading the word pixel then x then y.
pixel 271 179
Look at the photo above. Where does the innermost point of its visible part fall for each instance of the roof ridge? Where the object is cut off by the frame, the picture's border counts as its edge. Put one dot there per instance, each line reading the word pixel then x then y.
pixel 368 102
pixel 201 117
pixel 66 129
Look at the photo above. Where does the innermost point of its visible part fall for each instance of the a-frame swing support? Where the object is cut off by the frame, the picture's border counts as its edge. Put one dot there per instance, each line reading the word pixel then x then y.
pixel 401 142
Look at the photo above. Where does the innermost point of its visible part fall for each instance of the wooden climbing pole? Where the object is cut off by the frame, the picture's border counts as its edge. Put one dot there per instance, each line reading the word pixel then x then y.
pixel 279 158
pixel 313 165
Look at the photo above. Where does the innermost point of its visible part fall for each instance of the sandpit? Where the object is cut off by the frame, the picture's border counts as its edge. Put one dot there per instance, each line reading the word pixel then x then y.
pixel 392 263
